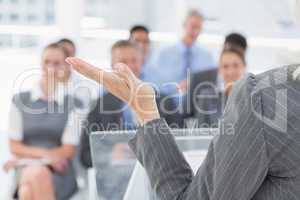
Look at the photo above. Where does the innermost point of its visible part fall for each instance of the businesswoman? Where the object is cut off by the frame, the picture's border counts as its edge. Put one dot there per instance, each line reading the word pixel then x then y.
pixel 43 128
pixel 232 67
pixel 255 155
pixel 209 90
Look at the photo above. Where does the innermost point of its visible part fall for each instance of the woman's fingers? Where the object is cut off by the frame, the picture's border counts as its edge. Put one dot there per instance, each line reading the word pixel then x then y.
pixel 87 69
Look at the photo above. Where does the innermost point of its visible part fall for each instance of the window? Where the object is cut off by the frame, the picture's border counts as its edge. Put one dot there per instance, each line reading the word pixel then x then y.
pixel 31 18
pixel 14 17
pixel 50 18
pixel 31 1
pixel 28 41
pixel 14 1
pixel 5 40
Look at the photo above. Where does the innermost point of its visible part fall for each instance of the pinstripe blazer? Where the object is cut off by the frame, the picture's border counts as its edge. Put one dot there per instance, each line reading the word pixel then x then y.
pixel 255 156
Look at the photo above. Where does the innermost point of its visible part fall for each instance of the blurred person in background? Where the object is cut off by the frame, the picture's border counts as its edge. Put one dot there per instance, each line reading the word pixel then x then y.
pixel 172 64
pixel 236 41
pixel 208 90
pixel 69 45
pixel 81 89
pixel 139 34
pixel 43 129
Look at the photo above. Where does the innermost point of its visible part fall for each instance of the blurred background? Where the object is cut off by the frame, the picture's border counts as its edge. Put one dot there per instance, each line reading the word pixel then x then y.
pixel 28 25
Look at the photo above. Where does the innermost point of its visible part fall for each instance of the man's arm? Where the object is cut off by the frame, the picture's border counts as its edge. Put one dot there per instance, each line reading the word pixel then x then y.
pixel 236 164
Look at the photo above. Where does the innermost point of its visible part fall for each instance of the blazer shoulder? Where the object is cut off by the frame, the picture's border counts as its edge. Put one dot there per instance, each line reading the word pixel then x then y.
pixel 279 77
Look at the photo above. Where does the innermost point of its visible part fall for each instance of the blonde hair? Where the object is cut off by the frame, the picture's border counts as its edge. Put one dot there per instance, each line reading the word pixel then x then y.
pixel 193 13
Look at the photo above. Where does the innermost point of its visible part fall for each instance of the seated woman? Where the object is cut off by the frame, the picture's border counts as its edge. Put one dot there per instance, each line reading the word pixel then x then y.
pixel 206 97
pixel 43 129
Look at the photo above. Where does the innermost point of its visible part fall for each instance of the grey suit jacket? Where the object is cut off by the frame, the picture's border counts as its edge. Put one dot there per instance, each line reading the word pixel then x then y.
pixel 255 156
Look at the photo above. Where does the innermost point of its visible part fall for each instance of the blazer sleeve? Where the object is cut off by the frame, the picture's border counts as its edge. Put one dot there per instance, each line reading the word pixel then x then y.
pixel 236 163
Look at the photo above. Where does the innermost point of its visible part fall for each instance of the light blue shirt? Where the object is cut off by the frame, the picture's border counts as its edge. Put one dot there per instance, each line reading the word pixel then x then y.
pixel 148 63
pixel 169 67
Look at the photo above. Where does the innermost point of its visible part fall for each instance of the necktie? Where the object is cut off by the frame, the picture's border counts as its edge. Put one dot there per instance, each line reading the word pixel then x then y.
pixel 187 55
pixel 187 62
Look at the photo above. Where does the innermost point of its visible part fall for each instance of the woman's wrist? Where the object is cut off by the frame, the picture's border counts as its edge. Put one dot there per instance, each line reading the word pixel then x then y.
pixel 148 115
pixel 149 118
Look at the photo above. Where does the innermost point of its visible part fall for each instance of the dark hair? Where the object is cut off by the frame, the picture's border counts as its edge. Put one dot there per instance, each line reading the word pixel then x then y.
pixel 124 44
pixel 139 28
pixel 235 51
pixel 236 40
pixel 58 47
pixel 66 40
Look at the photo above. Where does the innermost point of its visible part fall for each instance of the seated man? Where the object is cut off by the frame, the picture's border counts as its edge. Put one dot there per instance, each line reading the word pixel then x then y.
pixel 112 114
pixel 206 97
pixel 254 157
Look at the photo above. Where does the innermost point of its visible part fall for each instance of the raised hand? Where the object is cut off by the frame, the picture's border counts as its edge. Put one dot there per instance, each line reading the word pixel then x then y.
pixel 122 83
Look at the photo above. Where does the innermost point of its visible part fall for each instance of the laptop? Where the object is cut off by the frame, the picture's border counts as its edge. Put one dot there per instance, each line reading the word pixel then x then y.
pixel 119 176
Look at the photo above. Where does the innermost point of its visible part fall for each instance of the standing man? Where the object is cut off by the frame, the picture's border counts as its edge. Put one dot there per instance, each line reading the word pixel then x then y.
pixel 173 63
